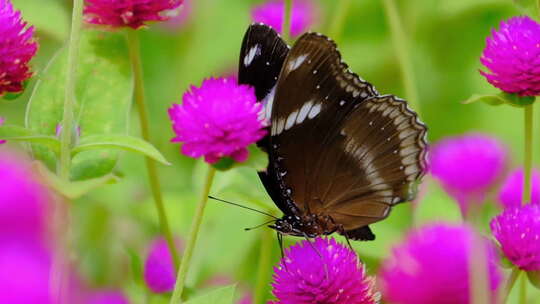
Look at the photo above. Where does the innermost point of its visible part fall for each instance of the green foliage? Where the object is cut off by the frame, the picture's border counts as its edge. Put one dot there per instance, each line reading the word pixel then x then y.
pixel 501 98
pixel 103 94
pixel 17 133
pixel 121 142
pixel 222 295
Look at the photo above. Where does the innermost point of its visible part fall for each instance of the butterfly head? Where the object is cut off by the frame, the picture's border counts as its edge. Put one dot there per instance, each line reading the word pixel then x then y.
pixel 297 226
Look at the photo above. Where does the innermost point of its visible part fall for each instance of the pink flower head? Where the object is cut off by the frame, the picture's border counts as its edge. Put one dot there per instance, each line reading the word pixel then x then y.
pixel 511 192
pixel 25 273
pixel 518 232
pixel 303 14
pixel 17 47
pixel 218 119
pixel 512 55
pixel 468 166
pixel 2 120
pixel 432 266
pixel 323 272
pixel 24 200
pixel 129 13
pixel 159 273
pixel 107 297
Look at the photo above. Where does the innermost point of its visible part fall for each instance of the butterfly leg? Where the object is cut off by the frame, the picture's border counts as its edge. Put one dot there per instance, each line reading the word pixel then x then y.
pixel 280 242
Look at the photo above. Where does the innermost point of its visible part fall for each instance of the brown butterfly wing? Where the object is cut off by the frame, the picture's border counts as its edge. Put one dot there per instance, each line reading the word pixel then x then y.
pixel 326 155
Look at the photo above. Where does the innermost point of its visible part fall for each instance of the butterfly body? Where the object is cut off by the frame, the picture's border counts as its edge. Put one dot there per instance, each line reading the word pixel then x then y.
pixel 340 155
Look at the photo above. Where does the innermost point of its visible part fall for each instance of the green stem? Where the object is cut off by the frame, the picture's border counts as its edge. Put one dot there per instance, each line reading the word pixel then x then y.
pixel 510 283
pixel 263 273
pixel 478 272
pixel 523 289
pixel 155 186
pixel 401 51
pixel 338 20
pixel 528 154
pixel 192 239
pixel 69 98
pixel 286 28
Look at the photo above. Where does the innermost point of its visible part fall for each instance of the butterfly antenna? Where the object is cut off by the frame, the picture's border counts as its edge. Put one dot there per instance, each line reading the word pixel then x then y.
pixel 242 206
pixel 258 226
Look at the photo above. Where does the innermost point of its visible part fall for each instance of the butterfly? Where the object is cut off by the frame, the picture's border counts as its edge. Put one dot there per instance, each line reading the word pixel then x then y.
pixel 340 155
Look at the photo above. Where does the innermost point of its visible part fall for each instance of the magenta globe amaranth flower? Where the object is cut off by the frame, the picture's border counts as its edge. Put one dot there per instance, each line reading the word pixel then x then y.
pixel 24 200
pixel 512 55
pixel 25 273
pixel 510 194
pixel 17 47
pixel 324 272
pixel 468 166
pixel 518 232
pixel 159 272
pixel 129 13
pixel 218 119
pixel 432 266
pixel 303 14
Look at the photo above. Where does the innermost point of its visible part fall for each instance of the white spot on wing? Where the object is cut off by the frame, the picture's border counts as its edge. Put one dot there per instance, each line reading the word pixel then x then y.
pixel 315 110
pixel 290 120
pixel 268 102
pixel 252 53
pixel 304 112
pixel 293 65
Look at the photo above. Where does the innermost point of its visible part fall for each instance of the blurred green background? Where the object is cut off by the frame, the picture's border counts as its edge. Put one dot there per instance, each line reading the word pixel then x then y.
pixel 111 227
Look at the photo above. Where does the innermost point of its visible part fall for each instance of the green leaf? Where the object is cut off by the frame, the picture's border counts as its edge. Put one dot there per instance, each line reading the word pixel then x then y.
pixel 103 100
pixel 222 295
pixel 224 164
pixel 258 159
pixel 49 17
pixel 122 142
pixel 73 190
pixel 18 133
pixel 534 278
pixel 136 265
pixel 501 98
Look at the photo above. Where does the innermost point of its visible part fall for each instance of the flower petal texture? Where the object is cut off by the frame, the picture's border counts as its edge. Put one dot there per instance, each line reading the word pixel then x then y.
pixel 218 119
pixel 24 200
pixel 324 272
pixel 129 13
pixel 432 266
pixel 303 14
pixel 512 55
pixel 468 166
pixel 25 273
pixel 159 273
pixel 518 232
pixel 510 194
pixel 17 47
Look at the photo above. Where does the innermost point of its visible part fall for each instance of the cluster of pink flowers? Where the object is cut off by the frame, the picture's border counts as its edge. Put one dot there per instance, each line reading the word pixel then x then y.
pixel 17 47
pixel 129 13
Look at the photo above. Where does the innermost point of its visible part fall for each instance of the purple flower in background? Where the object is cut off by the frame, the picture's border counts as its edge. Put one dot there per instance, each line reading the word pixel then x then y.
pixel 17 47
pixel 303 14
pixel 129 13
pixel 159 273
pixel 518 232
pixel 218 119
pixel 468 166
pixel 512 55
pixel 24 201
pixel 107 297
pixel 24 274
pixel 324 272
pixel 432 266
pixel 511 192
